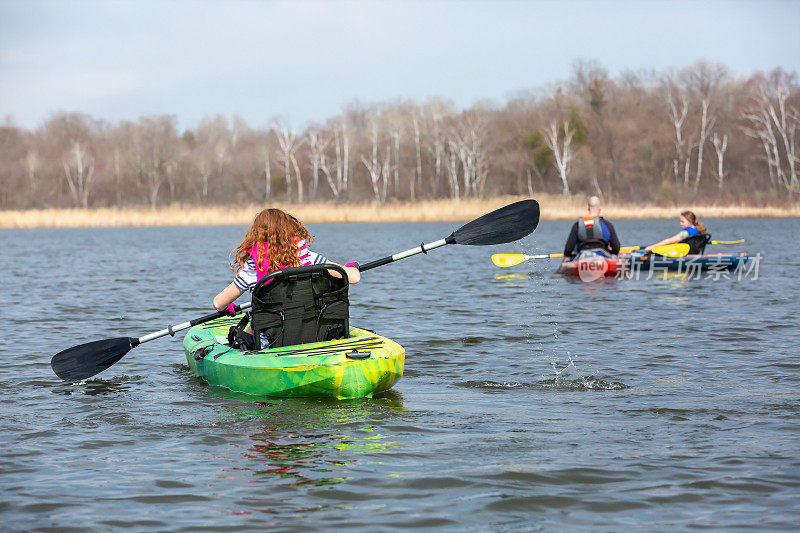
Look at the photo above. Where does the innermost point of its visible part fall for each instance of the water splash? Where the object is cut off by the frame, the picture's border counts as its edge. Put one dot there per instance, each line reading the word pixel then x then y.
pixel 570 378
pixel 566 370
pixel 591 383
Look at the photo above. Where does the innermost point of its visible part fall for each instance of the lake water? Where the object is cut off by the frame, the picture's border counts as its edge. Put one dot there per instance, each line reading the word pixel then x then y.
pixel 529 401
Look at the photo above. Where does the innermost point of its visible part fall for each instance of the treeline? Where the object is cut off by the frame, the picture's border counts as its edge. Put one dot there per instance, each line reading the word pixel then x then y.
pixel 698 133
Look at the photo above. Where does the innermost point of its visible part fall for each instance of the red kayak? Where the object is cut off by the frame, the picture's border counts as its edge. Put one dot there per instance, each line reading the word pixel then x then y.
pixel 589 268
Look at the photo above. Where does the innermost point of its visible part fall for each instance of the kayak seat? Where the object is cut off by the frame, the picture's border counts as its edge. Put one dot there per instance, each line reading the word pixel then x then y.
pixel 697 243
pixel 300 305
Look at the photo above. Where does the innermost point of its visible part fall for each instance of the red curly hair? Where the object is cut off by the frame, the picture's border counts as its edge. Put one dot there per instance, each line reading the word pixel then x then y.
pixel 280 231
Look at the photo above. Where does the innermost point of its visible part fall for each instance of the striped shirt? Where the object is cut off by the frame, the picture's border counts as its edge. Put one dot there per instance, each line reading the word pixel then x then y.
pixel 247 277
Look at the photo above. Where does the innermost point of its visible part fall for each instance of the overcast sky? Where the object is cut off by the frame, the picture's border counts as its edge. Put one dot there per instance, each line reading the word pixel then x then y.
pixel 303 60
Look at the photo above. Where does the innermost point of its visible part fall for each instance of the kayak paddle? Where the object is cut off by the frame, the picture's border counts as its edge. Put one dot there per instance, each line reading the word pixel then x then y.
pixel 86 360
pixel 507 224
pixel 675 249
pixel 629 249
pixel 679 249
pixel 503 225
pixel 508 260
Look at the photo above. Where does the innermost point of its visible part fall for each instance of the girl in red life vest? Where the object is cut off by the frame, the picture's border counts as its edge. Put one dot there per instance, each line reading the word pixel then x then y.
pixel 275 240
pixel 691 228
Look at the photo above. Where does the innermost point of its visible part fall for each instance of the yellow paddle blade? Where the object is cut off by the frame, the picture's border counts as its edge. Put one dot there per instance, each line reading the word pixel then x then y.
pixel 672 250
pixel 508 260
pixel 727 242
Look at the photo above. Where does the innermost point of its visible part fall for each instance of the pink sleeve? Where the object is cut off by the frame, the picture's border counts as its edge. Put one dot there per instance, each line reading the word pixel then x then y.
pixel 303 255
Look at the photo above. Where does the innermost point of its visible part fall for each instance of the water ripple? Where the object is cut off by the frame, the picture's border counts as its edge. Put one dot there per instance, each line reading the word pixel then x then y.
pixel 529 402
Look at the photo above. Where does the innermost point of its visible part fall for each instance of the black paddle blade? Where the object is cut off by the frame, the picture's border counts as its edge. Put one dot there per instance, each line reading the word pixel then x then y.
pixel 86 360
pixel 507 224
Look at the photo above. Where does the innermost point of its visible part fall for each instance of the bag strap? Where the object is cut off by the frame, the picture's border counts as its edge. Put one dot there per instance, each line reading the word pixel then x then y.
pixel 239 326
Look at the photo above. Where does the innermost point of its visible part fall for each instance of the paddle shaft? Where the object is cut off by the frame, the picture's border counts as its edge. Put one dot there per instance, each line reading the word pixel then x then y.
pixel 170 330
pixel 421 249
pixel 509 260
pixel 543 256
pixel 507 224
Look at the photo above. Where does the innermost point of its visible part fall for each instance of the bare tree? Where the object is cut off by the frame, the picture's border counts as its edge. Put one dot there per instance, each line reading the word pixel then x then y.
pixel 386 169
pixel 128 181
pixel 378 170
pixel 342 146
pixel 317 146
pixel 436 146
pixel 561 146
pixel 774 121
pixel 705 80
pixel 720 145
pixel 289 143
pixel 71 135
pixel 417 177
pixel 760 127
pixel 678 108
pixel 267 176
pixel 335 187
pixel 395 135
pixel 79 171
pixel 155 149
pixel 706 125
pixel 118 176
pixel 32 165
pixel 786 119
pixel 222 150
pixel 468 139
pixel 212 148
pixel 452 168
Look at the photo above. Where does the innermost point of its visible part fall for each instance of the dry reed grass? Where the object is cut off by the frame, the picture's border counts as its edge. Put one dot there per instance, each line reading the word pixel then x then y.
pixel 553 207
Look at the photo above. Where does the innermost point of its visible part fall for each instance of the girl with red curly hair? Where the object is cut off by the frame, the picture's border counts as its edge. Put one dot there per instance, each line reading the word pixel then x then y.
pixel 275 240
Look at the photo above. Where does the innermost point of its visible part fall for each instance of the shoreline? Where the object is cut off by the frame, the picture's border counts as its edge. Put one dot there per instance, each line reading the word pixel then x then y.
pixel 553 207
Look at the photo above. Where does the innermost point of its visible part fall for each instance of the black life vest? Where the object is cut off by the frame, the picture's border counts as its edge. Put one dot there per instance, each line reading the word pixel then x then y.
pixel 591 234
pixel 300 305
pixel 697 241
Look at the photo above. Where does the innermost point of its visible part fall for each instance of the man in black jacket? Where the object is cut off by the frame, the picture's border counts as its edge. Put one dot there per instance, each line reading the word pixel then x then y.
pixel 592 232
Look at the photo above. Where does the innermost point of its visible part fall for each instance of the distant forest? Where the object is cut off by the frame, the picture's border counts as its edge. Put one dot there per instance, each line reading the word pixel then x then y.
pixel 695 134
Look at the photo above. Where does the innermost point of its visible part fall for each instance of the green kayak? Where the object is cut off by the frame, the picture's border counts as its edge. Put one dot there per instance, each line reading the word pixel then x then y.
pixel 355 367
